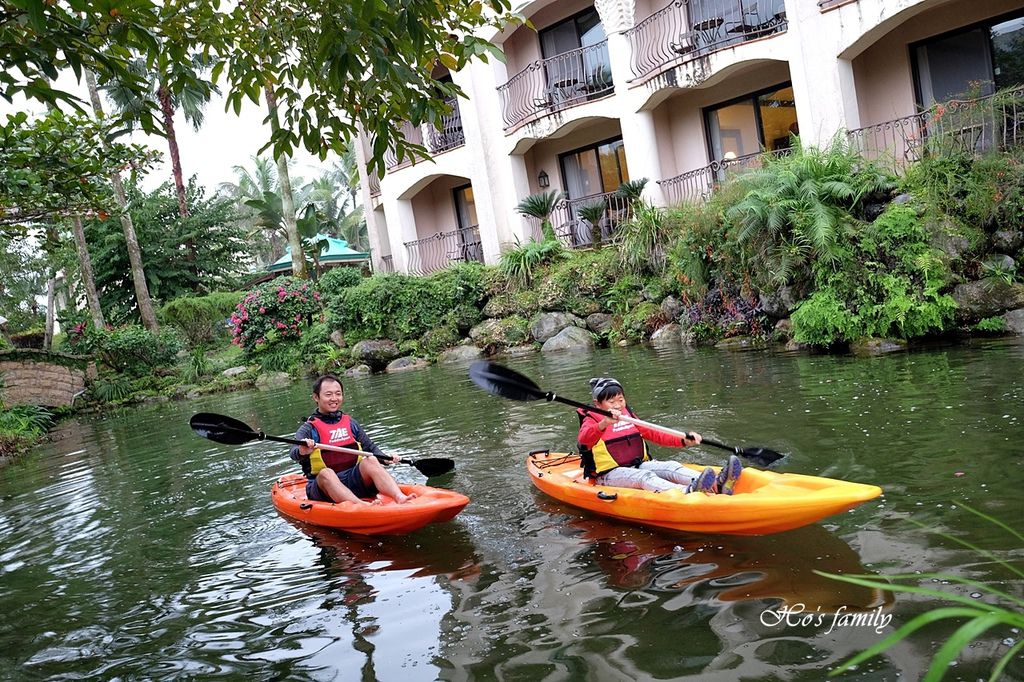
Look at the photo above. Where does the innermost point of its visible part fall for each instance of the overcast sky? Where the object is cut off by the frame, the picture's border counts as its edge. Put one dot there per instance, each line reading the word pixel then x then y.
pixel 225 141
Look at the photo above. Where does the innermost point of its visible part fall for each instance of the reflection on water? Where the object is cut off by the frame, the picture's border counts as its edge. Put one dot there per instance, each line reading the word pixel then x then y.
pixel 130 548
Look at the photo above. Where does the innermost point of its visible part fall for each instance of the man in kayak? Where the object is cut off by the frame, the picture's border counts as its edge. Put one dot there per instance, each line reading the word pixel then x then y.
pixel 614 452
pixel 334 476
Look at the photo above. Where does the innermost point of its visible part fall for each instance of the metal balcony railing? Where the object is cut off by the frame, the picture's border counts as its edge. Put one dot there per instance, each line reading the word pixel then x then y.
pixel 972 125
pixel 698 184
pixel 387 264
pixel 450 135
pixel 374 183
pixel 557 83
pixel 575 231
pixel 438 251
pixel 412 134
pixel 688 29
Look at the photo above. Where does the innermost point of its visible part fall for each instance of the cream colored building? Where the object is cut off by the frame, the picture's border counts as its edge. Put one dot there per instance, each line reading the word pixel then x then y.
pixel 611 90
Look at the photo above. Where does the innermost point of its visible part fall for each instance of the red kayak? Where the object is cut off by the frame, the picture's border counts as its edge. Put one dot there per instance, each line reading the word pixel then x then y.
pixel 431 505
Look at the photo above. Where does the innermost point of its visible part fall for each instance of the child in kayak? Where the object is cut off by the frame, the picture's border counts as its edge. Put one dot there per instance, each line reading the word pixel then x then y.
pixel 333 476
pixel 614 452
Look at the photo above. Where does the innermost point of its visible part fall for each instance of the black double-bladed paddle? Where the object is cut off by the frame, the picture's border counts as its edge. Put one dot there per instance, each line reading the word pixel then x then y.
pixel 223 429
pixel 507 383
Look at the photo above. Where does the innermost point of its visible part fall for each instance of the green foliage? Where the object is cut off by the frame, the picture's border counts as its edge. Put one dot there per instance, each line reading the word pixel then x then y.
pixel 998 608
pixel 338 278
pixel 172 270
pixel 111 388
pixel 197 366
pixel 58 164
pixel 277 310
pixel 797 207
pixel 29 421
pixel 641 239
pixel 402 307
pixel 520 265
pixel 201 319
pixel 541 205
pixel 991 325
pixel 130 349
pixel 885 282
pixel 632 190
pixel 984 191
pixel 30 338
pixel 641 321
pixel 593 213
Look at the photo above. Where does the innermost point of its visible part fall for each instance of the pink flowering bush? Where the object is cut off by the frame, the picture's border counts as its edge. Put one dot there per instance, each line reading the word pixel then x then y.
pixel 274 311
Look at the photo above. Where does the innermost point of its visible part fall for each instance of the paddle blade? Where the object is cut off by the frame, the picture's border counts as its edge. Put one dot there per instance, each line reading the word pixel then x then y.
pixel 761 456
pixel 504 382
pixel 222 429
pixel 433 466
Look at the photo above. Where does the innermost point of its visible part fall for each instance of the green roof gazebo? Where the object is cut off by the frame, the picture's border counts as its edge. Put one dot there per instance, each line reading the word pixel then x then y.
pixel 336 253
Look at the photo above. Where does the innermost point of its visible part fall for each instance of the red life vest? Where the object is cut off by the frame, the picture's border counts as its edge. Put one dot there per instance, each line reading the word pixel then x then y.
pixel 338 434
pixel 621 445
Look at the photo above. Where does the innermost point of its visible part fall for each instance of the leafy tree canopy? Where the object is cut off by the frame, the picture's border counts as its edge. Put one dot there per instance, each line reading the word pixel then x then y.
pixel 219 261
pixel 332 64
pixel 55 166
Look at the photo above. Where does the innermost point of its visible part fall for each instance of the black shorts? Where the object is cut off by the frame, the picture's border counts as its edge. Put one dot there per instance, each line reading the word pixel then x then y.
pixel 351 479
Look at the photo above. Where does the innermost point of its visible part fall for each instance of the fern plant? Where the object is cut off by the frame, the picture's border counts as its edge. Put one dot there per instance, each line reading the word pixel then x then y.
pixel 540 206
pixel 641 239
pixel 797 207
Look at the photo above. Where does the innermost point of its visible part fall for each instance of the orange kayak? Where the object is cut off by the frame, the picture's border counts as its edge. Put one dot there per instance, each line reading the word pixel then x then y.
pixel 431 505
pixel 764 502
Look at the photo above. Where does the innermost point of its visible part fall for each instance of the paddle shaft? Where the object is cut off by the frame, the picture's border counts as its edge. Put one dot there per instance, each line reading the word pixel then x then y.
pixel 637 422
pixel 330 448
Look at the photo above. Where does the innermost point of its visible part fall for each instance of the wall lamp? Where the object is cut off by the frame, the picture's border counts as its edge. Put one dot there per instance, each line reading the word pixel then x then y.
pixel 543 180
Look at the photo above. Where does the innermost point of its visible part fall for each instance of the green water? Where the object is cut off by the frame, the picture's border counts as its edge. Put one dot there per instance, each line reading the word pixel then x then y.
pixel 132 549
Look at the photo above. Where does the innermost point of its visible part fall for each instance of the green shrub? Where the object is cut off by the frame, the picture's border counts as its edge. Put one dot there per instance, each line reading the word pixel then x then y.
pixel 991 325
pixel 201 319
pixel 337 279
pixel 30 421
pixel 520 264
pixel 134 350
pixel 639 323
pixel 111 388
pixel 641 239
pixel 276 310
pixel 401 307
pixel 885 282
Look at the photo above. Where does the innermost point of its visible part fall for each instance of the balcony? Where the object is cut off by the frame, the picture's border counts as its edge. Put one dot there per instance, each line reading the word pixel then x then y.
pixel 969 126
pixel 436 141
pixel 387 264
pixel 688 29
pixel 556 83
pixel 574 231
pixel 438 251
pixel 698 184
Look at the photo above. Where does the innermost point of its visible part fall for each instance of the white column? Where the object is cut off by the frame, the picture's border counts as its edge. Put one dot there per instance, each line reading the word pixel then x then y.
pixel 401 229
pixel 377 248
pixel 638 133
pixel 823 83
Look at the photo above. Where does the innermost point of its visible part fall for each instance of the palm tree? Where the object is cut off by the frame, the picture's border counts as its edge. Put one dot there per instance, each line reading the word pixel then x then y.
pixel 173 87
pixel 541 206
pixel 142 298
pixel 287 200
pixel 593 213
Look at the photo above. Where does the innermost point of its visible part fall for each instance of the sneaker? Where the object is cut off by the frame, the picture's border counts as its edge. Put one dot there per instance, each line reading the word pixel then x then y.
pixel 729 474
pixel 705 483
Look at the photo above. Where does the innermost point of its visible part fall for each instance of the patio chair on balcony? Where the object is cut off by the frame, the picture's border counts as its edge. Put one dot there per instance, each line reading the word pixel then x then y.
pixel 686 43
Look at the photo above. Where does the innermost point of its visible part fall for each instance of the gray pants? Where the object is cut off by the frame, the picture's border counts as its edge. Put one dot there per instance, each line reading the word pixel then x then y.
pixel 653 475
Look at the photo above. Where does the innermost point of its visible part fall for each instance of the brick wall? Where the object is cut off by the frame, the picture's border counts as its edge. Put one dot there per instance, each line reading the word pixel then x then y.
pixel 40 378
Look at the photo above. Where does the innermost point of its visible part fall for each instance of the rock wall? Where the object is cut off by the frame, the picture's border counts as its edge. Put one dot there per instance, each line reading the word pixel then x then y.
pixel 33 377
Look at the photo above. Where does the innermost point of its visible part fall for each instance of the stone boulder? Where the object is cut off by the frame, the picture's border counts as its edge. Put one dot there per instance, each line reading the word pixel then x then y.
pixel 359 371
pixel 999 262
pixel 273 379
pixel 526 349
pixel 871 346
pixel 781 302
pixel 671 307
pixel 600 323
pixel 407 363
pixel 546 325
pixel 987 297
pixel 510 331
pixel 235 371
pixel 376 353
pixel 667 335
pixel 1007 241
pixel 738 343
pixel 954 245
pixel 571 339
pixel 1015 321
pixel 338 339
pixel 783 331
pixel 459 355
